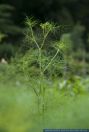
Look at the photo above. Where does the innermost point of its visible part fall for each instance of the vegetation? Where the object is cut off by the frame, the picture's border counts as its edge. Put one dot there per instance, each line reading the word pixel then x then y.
pixel 44 65
pixel 66 103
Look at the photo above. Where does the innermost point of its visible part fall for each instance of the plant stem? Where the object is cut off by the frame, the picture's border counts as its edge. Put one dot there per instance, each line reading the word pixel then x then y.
pixel 40 63
pixel 34 37
pixel 51 61
pixel 45 36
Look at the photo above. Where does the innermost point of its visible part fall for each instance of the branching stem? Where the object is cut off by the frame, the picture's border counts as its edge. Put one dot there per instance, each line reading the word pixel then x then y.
pixel 51 61
pixel 34 37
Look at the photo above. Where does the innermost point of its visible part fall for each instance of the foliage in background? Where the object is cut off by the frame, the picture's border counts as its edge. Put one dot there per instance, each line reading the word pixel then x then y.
pixel 7 51
pixel 7 25
pixel 8 30
pixel 2 36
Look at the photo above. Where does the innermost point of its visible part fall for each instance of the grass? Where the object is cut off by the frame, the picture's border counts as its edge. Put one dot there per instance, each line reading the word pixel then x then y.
pixel 19 112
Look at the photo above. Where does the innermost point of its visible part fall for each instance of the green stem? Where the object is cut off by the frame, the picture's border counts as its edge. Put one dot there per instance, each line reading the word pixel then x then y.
pixel 34 37
pixel 40 63
pixel 45 36
pixel 51 61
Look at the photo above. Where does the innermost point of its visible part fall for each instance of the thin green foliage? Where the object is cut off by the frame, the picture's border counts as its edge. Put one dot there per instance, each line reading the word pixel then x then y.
pixel 46 29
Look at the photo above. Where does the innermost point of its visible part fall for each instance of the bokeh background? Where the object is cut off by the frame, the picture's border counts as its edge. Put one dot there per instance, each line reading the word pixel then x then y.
pixel 72 15
pixel 64 102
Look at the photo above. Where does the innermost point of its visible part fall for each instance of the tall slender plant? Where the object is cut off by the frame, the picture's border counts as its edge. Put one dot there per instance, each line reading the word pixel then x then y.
pixel 39 43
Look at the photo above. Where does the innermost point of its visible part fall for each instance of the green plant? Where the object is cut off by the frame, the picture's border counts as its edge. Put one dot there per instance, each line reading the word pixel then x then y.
pixel 7 51
pixel 66 46
pixel 37 57
pixel 7 25
pixel 2 36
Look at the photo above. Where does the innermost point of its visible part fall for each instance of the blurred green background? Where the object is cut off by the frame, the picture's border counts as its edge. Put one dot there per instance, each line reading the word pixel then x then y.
pixel 64 101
